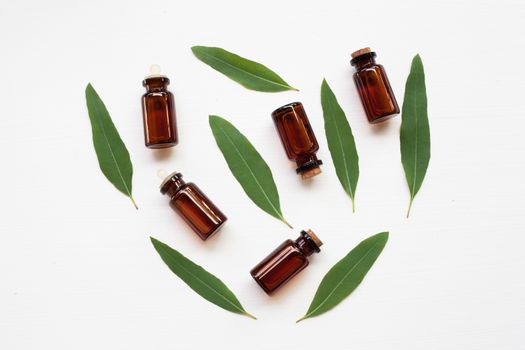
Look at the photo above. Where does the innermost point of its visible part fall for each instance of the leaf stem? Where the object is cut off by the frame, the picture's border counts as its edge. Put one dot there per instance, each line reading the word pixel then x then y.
pixel 133 201
pixel 302 318
pixel 353 205
pixel 250 315
pixel 286 222
pixel 410 206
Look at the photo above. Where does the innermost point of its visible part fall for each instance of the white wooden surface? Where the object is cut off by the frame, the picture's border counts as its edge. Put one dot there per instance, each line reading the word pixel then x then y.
pixel 77 269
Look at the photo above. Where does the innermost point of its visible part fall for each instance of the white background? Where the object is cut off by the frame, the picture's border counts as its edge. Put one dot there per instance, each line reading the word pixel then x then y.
pixel 77 270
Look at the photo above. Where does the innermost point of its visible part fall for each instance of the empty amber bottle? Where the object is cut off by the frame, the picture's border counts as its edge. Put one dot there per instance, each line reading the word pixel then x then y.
pixel 286 261
pixel 298 138
pixel 373 86
pixel 158 111
pixel 193 205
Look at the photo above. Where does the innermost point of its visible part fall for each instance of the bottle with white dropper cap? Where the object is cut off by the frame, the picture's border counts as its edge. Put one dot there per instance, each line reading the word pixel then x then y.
pixel 188 200
pixel 158 111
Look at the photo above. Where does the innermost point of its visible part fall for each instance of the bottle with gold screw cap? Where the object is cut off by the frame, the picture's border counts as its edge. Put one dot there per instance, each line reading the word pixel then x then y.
pixel 192 204
pixel 286 261
pixel 373 87
pixel 158 111
pixel 298 138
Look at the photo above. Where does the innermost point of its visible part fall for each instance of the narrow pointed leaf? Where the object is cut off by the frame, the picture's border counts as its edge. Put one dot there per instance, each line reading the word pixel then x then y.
pixel 415 131
pixel 201 281
pixel 248 167
pixel 340 142
pixel 250 74
pixel 112 154
pixel 344 277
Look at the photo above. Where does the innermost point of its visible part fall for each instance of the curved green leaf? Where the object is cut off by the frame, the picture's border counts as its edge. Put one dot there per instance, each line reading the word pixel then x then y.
pixel 344 277
pixel 248 167
pixel 340 142
pixel 415 131
pixel 201 281
pixel 250 74
pixel 112 154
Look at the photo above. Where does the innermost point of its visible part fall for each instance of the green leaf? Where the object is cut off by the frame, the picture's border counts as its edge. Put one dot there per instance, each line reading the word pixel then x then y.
pixel 248 167
pixel 344 277
pixel 250 74
pixel 415 131
pixel 340 142
pixel 201 281
pixel 112 154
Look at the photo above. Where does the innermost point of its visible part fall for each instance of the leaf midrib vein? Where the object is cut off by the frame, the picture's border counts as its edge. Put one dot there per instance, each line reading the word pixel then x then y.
pixel 342 279
pixel 251 172
pixel 97 117
pixel 168 256
pixel 340 142
pixel 244 71
pixel 417 145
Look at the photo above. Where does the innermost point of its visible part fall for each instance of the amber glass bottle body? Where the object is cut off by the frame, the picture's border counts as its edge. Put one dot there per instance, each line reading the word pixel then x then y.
pixel 158 110
pixel 373 86
pixel 192 204
pixel 285 261
pixel 298 138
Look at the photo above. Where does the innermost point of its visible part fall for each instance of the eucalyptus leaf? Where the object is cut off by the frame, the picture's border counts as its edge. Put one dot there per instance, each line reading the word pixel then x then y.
pixel 112 154
pixel 344 277
pixel 415 131
pixel 250 74
pixel 201 281
pixel 340 142
pixel 247 166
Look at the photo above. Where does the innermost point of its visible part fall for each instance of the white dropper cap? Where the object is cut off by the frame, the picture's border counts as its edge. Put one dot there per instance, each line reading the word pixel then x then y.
pixel 161 173
pixel 154 71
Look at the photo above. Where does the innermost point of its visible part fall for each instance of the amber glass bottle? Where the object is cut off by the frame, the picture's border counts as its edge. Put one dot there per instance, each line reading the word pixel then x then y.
pixel 193 205
pixel 373 86
pixel 286 261
pixel 298 138
pixel 158 111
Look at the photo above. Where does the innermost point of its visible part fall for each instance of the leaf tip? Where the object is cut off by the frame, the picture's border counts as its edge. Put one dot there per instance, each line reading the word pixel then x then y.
pixel 89 89
pixel 417 60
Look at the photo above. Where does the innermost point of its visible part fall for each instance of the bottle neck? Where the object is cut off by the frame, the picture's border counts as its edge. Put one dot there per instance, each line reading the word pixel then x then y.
pixel 158 83
pixel 172 184
pixel 306 163
pixel 363 61
pixel 306 244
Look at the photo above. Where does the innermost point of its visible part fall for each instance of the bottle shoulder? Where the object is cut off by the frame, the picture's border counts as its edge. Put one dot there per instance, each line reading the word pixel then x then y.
pixel 162 93
pixel 369 68
pixel 187 188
